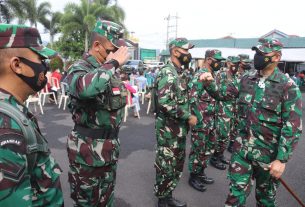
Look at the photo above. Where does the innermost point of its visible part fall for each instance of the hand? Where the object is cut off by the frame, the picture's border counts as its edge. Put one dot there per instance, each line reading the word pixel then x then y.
pixel 206 77
pixel 121 55
pixel 192 121
pixel 277 168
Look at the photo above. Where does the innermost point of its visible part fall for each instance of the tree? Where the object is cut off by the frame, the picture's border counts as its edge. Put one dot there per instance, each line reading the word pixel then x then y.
pixel 53 25
pixel 10 9
pixel 81 18
pixel 34 12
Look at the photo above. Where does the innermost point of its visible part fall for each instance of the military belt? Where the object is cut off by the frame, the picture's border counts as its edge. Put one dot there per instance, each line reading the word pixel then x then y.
pixel 101 133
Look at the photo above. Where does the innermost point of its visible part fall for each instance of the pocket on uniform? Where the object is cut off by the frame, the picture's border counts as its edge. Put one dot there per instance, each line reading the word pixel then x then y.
pixel 270 110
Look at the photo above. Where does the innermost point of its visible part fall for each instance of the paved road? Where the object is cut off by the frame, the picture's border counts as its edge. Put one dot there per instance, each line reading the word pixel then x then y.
pixel 135 175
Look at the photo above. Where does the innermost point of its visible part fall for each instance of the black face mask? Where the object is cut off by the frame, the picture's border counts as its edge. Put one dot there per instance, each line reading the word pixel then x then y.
pixel 39 80
pixel 216 65
pixel 261 61
pixel 185 59
pixel 246 67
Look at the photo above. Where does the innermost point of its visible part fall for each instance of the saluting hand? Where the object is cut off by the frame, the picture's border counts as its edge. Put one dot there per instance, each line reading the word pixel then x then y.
pixel 277 168
pixel 192 121
pixel 121 55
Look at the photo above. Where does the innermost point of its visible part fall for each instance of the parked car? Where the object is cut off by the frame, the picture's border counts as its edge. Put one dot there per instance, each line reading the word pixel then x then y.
pixel 154 65
pixel 133 65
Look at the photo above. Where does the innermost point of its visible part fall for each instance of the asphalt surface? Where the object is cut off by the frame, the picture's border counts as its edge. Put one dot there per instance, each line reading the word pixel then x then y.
pixel 136 174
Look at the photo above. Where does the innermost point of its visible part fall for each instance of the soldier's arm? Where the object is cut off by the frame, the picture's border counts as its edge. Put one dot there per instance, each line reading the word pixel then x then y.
pixel 15 186
pixel 292 121
pixel 85 85
pixel 167 98
pixel 229 92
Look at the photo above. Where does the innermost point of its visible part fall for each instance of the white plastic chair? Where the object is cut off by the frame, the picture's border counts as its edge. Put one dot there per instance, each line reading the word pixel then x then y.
pixel 129 104
pixel 55 84
pixel 63 97
pixel 45 92
pixel 142 91
pixel 35 99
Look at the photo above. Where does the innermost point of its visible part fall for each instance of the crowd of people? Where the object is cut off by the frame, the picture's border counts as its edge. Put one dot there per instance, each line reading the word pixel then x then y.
pixel 255 113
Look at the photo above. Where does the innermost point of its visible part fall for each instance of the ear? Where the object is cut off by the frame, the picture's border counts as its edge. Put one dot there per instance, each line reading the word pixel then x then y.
pixel 176 52
pixel 95 46
pixel 277 57
pixel 16 65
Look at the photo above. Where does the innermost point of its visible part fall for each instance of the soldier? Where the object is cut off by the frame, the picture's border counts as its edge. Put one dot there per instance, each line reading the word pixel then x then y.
pixel 173 119
pixel 29 175
pixel 244 67
pixel 203 134
pixel 244 64
pixel 97 99
pixel 270 126
pixel 225 113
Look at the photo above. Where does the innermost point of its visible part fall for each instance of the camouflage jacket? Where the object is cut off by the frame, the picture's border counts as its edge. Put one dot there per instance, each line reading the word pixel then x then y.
pixel 226 108
pixel 87 79
pixel 172 93
pixel 19 185
pixel 199 98
pixel 269 113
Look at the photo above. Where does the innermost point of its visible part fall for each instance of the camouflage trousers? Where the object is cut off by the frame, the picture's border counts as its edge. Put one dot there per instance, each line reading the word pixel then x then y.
pixel 203 141
pixel 92 186
pixel 244 169
pixel 170 154
pixel 225 132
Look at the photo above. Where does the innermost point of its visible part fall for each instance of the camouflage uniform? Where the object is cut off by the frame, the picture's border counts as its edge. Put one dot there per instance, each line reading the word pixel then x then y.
pixel 96 106
pixel 203 134
pixel 225 110
pixel 171 126
pixel 269 113
pixel 29 175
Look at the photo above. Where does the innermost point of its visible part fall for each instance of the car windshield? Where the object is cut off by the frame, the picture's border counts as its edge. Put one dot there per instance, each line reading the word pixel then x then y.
pixel 130 62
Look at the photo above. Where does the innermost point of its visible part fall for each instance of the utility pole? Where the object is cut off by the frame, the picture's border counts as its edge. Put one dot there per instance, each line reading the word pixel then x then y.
pixel 172 28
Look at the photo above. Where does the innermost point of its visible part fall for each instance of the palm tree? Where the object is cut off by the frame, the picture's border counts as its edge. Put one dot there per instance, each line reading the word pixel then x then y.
pixel 83 17
pixel 35 13
pixel 10 9
pixel 52 24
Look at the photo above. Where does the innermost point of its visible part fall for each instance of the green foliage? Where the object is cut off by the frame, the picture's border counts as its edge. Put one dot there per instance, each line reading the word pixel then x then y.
pixel 56 63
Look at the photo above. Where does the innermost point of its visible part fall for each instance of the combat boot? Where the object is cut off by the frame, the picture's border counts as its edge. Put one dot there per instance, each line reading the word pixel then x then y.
pixel 205 179
pixel 170 201
pixel 230 147
pixel 215 162
pixel 223 159
pixel 196 182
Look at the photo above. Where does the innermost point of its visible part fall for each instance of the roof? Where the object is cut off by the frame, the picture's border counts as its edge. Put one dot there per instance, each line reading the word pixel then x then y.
pixel 291 55
pixel 292 42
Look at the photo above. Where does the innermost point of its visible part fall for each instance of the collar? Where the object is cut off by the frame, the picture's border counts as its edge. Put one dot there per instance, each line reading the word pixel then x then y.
pixel 275 75
pixel 91 59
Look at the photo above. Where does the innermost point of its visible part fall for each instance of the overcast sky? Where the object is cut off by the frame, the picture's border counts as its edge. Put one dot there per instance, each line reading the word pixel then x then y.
pixel 203 19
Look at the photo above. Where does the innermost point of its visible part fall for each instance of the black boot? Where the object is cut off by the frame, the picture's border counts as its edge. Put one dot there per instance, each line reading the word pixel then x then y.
pixel 169 201
pixel 205 179
pixel 230 147
pixel 215 162
pixel 223 159
pixel 196 182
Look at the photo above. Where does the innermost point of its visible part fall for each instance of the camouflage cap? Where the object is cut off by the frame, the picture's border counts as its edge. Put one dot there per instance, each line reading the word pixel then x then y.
pixel 233 59
pixel 244 58
pixel 214 54
pixel 268 45
pixel 182 43
pixel 21 36
pixel 112 31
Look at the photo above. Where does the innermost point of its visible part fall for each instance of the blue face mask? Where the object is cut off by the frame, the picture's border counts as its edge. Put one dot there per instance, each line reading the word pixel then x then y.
pixel 39 80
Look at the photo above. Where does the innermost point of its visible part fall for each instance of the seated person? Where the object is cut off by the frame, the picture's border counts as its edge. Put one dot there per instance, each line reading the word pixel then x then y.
pixel 134 96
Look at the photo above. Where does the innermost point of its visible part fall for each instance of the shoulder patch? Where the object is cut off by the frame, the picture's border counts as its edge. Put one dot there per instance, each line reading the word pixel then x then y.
pixel 13 141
